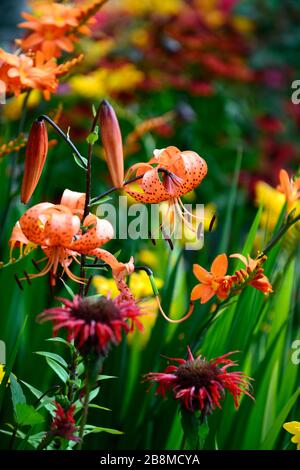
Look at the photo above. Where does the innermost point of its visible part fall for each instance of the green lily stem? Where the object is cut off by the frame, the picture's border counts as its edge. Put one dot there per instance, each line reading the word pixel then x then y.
pixel 44 117
pixel 88 192
pixel 85 411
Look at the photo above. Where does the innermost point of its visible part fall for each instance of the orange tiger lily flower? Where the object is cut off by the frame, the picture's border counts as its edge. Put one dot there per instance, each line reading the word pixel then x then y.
pixel 254 272
pixel 215 282
pixel 57 229
pixel 184 172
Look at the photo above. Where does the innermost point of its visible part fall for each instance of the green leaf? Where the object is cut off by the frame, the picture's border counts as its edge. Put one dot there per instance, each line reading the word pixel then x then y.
pixel 101 201
pixel 89 428
pixel 68 288
pixel 273 434
pixel 57 339
pixel 106 377
pixel 98 407
pixel 82 164
pixel 58 369
pixel 53 356
pixel 26 415
pixel 93 136
pixel 94 111
pixel 17 394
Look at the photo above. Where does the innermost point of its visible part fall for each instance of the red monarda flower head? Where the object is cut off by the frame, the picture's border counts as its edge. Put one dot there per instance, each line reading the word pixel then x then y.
pixel 96 322
pixel 112 143
pixel 36 153
pixel 63 424
pixel 200 384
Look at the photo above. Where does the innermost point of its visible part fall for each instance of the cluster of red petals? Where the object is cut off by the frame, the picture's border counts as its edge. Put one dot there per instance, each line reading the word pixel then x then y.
pixel 95 323
pixel 63 424
pixel 200 384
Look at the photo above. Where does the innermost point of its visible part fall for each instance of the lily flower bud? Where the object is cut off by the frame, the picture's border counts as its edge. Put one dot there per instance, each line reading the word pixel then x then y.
pixel 35 157
pixel 112 143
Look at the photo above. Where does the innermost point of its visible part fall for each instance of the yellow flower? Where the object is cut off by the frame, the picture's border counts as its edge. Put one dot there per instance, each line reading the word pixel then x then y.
pixel 272 202
pixel 138 282
pixel 139 37
pixel 105 286
pixel 243 24
pixel 2 372
pixel 293 427
pixel 13 108
pixel 104 82
pixel 159 7
pixel 95 50
pixel 149 258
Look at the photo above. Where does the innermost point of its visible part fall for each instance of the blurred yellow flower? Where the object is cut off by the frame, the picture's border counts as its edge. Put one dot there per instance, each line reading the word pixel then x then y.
pixel 13 108
pixel 293 427
pixel 272 202
pixel 139 37
pixel 149 258
pixel 243 24
pixel 104 82
pixel 95 50
pixel 138 282
pixel 2 372
pixel 141 288
pixel 159 7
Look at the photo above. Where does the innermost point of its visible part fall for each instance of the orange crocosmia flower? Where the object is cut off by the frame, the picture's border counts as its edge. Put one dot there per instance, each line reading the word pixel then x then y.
pixel 52 28
pixel 184 172
pixel 22 72
pixel 57 229
pixel 212 283
pixel 289 187
pixel 254 271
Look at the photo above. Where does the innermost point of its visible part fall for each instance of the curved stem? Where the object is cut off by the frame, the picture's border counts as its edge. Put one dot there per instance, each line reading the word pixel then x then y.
pixel 64 136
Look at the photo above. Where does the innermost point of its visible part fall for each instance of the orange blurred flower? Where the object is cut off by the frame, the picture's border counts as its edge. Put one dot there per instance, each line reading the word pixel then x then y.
pixel 23 72
pixel 212 283
pixel 58 230
pixel 52 28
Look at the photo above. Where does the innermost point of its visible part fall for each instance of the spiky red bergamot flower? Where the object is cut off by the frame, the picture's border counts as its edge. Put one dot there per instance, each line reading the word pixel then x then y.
pixel 96 322
pixel 200 384
pixel 63 424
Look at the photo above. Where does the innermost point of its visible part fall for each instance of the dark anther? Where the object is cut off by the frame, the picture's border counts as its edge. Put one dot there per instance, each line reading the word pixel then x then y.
pixel 18 282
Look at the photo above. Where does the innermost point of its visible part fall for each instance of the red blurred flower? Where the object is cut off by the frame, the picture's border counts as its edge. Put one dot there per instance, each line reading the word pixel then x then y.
pixel 200 384
pixel 95 323
pixel 63 424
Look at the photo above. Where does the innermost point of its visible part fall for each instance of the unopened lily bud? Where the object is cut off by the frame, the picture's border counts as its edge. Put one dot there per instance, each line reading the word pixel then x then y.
pixel 35 157
pixel 112 143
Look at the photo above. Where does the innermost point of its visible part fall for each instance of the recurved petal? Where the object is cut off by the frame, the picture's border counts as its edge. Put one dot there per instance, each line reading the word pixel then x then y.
pixel 17 236
pixel 73 200
pixel 220 265
pixel 60 229
pixel 30 222
pixel 100 231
